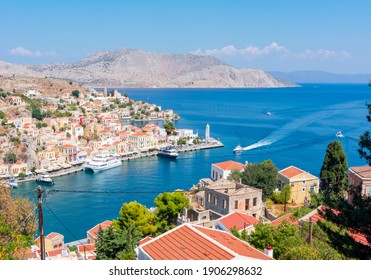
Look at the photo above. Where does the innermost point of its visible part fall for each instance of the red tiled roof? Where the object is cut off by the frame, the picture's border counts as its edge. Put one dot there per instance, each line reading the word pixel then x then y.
pixel 234 244
pixel 86 247
pixel 291 171
pixel 288 217
pixel 188 242
pixel 230 165
pixel 238 220
pixel 68 146
pixel 362 171
pixel 94 231
pixel 53 234
pixel 140 134
pixel 145 240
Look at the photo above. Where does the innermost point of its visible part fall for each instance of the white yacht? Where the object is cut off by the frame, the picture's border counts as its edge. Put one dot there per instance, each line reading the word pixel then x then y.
pixel 238 149
pixel 339 134
pixel 102 162
pixel 42 178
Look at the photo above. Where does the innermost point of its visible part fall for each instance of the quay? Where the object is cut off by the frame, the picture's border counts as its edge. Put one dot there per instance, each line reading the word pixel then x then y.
pixel 181 149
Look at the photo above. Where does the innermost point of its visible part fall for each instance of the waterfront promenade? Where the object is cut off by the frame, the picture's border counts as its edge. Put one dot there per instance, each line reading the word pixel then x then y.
pixel 181 149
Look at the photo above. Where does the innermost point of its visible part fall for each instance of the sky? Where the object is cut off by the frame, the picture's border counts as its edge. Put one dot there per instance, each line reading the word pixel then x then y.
pixel 274 35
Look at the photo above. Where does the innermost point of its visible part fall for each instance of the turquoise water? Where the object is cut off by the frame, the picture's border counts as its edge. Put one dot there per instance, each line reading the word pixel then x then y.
pixel 302 122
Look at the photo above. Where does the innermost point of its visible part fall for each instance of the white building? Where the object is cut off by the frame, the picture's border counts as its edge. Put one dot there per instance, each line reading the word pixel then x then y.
pixel 222 170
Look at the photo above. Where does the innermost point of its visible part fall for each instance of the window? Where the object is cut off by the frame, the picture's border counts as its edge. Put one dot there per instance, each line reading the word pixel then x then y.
pixel 208 197
pixel 254 201
pixel 215 200
pixel 224 204
pixel 368 191
pixel 247 204
pixel 311 187
pixel 303 189
pixel 236 204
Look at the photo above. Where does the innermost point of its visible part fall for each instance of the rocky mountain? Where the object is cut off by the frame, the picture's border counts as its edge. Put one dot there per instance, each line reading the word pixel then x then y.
pixel 139 69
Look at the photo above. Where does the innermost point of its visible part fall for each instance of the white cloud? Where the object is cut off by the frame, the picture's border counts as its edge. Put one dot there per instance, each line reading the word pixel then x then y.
pixel 250 52
pixel 20 51
pixel 253 52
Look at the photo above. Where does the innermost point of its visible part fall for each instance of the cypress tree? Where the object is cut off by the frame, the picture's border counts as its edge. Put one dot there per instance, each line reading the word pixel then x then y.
pixel 334 169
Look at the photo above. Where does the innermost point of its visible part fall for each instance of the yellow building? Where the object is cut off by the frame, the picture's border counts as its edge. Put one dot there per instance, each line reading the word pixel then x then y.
pixel 301 183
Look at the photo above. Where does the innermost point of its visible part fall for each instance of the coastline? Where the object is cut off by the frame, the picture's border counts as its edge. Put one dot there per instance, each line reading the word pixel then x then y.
pixel 182 149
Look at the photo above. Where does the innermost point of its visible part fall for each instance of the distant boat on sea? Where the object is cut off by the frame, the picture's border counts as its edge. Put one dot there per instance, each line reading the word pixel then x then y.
pixel 238 149
pixel 339 134
pixel 268 114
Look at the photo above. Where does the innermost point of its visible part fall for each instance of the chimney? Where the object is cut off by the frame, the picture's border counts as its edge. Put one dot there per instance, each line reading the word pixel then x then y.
pixel 269 251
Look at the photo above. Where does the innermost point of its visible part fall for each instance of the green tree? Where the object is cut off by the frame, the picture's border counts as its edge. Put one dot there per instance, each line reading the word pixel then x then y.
pixel 17 225
pixel 76 93
pixel 235 175
pixel 138 215
pixel 2 114
pixel 261 175
pixel 169 127
pixel 168 206
pixel 333 173
pixel 117 244
pixel 37 114
pixel 21 176
pixel 10 158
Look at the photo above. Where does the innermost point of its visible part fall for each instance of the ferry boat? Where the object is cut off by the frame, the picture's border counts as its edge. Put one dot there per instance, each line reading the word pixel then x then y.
pixel 168 152
pixel 238 149
pixel 44 179
pixel 339 134
pixel 102 162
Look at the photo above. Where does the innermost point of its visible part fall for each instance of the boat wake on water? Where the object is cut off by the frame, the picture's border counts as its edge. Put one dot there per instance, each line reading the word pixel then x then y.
pixel 289 128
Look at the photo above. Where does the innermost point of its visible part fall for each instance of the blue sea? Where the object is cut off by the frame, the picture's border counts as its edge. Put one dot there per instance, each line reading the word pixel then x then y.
pixel 302 122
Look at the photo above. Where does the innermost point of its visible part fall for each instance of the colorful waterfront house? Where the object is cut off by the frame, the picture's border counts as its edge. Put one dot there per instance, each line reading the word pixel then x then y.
pixel 301 183
pixel 93 233
pixel 222 170
pixel 18 167
pixel 191 242
pixel 359 179
pixel 53 241
pixel 237 220
pixel 225 196
pixel 69 151
pixel 141 141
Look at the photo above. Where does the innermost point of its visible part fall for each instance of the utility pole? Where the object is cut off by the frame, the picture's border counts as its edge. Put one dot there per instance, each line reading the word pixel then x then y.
pixel 310 231
pixel 41 223
pixel 284 207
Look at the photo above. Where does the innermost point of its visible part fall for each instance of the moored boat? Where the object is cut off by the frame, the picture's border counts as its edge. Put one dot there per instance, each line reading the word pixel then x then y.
pixel 102 162
pixel 44 179
pixel 168 152
pixel 12 182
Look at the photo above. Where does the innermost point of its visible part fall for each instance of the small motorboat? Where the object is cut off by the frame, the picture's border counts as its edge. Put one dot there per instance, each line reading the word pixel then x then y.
pixel 12 183
pixel 268 114
pixel 44 179
pixel 238 149
pixel 339 134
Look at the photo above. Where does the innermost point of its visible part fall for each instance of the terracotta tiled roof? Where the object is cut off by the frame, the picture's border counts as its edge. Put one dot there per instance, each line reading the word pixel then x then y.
pixel 362 171
pixel 316 216
pixel 140 134
pixel 95 230
pixel 188 242
pixel 68 146
pixel 145 240
pixel 291 171
pixel 239 220
pixel 53 234
pixel 87 247
pixel 234 244
pixel 287 217
pixel 230 165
